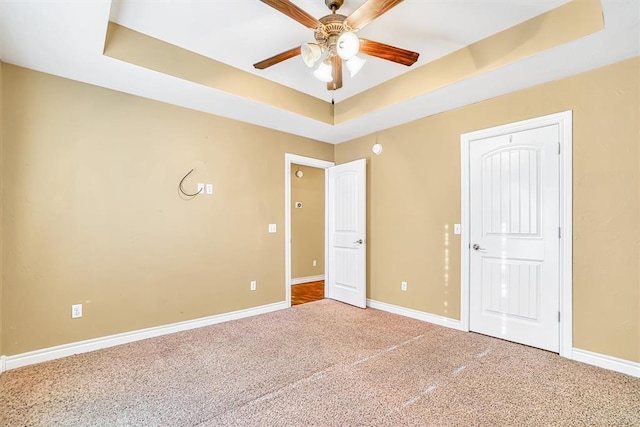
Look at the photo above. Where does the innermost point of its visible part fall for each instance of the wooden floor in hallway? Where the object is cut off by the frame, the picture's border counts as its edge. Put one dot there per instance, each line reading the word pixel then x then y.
pixel 307 292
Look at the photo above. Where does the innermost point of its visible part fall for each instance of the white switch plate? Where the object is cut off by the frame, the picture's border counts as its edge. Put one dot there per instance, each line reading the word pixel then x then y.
pixel 272 228
pixel 253 285
pixel 200 188
pixel 457 229
pixel 403 286
pixel 314 263
pixel 76 311
pixel 209 188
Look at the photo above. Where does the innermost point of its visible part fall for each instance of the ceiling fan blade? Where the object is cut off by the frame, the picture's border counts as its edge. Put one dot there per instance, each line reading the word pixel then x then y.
pixel 370 11
pixel 293 12
pixel 276 59
pixel 388 52
pixel 337 74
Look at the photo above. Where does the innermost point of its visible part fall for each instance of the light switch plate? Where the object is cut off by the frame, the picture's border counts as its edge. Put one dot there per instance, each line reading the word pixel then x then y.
pixel 209 188
pixel 457 229
pixel 272 228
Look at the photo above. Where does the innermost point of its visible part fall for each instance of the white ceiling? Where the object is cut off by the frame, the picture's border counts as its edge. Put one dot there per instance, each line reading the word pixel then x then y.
pixel 241 33
pixel 66 38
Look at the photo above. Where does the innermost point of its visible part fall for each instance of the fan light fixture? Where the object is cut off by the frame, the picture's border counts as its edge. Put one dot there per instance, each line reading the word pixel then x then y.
pixel 354 65
pixel 348 45
pixel 310 52
pixel 336 43
pixel 324 72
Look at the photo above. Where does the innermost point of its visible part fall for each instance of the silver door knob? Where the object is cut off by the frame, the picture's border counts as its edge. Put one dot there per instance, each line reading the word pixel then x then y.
pixel 476 247
pixel 358 242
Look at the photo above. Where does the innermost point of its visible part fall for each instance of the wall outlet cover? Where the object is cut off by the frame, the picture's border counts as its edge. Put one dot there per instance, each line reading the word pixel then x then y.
pixel 76 311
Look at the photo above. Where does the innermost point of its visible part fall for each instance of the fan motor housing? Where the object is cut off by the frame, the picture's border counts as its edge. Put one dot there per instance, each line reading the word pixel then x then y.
pixel 332 27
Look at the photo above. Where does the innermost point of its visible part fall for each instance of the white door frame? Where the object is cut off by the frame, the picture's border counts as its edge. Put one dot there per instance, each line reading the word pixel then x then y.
pixel 290 159
pixel 564 121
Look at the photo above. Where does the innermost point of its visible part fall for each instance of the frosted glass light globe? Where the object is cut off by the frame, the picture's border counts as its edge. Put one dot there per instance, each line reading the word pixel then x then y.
pixel 348 45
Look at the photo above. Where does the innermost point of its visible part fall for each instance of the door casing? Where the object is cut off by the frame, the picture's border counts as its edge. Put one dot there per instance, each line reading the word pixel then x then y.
pixel 290 159
pixel 564 121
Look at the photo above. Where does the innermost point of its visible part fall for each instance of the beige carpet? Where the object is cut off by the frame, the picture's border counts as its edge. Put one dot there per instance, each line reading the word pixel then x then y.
pixel 319 364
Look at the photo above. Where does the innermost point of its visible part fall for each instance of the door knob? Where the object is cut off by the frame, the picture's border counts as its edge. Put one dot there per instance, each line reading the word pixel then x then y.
pixel 358 242
pixel 476 247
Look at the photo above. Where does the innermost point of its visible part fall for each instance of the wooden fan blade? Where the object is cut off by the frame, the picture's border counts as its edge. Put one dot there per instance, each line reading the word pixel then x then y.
pixel 276 59
pixel 293 12
pixel 337 74
pixel 370 11
pixel 388 52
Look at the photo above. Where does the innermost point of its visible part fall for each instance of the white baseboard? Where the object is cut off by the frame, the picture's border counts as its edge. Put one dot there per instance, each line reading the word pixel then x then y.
pixel 51 353
pixel 584 356
pixel 415 314
pixel 307 279
pixel 607 362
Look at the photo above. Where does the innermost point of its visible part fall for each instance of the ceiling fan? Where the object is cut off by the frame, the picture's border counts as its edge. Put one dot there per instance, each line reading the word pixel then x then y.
pixel 336 40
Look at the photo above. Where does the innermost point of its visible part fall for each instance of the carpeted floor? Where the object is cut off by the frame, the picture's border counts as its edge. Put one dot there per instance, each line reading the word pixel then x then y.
pixel 319 364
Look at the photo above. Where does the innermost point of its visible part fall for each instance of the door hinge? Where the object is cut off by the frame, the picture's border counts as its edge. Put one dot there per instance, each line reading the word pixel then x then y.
pixel 558 147
pixel 559 233
pixel 558 317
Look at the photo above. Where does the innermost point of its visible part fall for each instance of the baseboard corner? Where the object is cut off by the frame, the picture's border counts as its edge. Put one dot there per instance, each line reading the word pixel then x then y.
pixel 416 314
pixel 606 362
pixel 3 364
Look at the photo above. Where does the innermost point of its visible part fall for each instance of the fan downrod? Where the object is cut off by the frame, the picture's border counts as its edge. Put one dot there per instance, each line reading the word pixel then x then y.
pixel 333 5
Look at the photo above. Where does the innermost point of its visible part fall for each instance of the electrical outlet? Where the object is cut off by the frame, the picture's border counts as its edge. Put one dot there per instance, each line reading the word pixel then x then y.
pixel 76 311
pixel 200 188
pixel 253 285
pixel 314 263
pixel 403 286
pixel 209 188
pixel 272 228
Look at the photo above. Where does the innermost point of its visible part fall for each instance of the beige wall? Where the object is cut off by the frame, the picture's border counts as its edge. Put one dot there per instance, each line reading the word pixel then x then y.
pixel 307 223
pixel 92 213
pixel 414 200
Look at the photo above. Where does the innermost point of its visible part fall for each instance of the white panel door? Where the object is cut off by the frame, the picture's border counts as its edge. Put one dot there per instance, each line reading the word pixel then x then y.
pixel 346 209
pixel 514 236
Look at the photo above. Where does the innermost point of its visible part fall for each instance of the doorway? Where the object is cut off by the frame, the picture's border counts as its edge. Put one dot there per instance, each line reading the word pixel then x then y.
pixel 307 234
pixel 344 228
pixel 300 161
pixel 516 243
